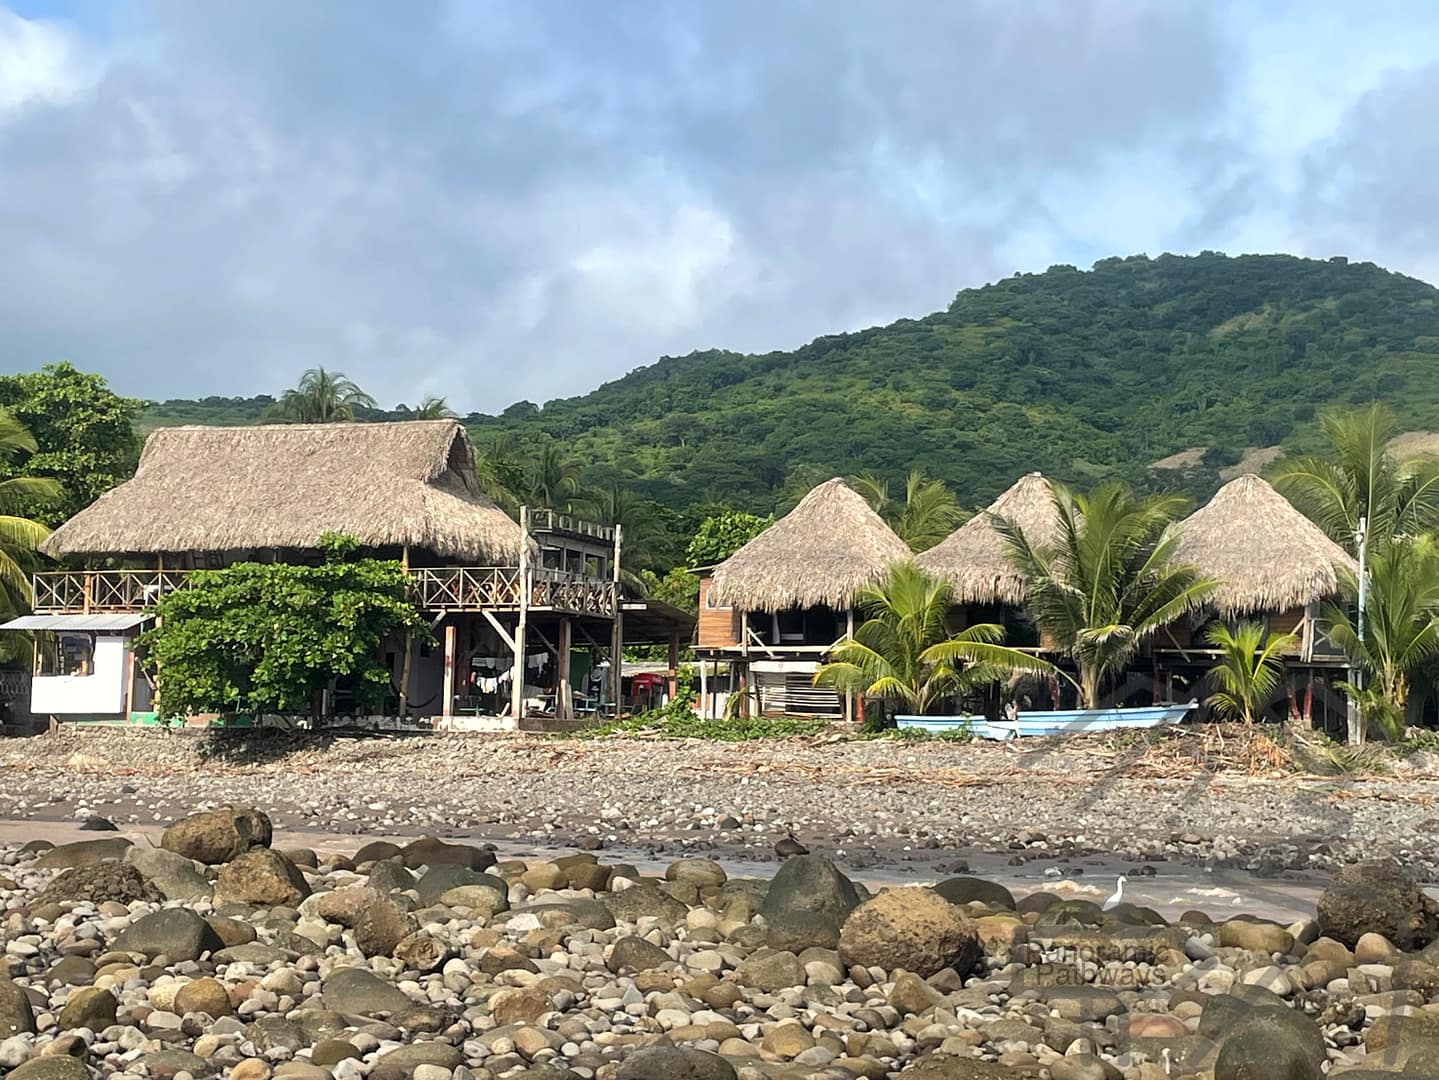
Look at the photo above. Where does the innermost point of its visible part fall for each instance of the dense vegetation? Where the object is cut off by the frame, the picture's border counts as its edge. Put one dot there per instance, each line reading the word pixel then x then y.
pixel 1086 375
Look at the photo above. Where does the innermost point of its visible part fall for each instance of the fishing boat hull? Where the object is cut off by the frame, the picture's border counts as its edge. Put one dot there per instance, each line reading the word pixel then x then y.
pixel 1056 722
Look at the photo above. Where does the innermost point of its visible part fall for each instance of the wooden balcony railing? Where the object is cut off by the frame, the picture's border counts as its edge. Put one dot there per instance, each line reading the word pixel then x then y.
pixel 439 588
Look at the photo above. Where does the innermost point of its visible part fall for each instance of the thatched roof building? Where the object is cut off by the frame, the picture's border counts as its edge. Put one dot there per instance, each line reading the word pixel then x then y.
pixel 1264 553
pixel 219 489
pixel 973 557
pixel 817 555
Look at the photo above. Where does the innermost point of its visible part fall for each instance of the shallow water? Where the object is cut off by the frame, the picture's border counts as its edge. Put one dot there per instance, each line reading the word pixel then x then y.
pixel 1173 889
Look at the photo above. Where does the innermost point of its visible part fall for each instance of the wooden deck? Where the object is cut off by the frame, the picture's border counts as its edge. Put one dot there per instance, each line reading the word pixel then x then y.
pixel 433 589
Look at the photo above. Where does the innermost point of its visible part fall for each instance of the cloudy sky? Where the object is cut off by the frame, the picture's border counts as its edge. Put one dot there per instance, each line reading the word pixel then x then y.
pixel 495 201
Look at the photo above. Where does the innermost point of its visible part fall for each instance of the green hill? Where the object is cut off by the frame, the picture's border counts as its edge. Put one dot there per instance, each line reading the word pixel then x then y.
pixel 1082 374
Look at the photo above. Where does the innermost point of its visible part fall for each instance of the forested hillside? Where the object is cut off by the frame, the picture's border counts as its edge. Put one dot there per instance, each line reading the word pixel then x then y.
pixel 1082 374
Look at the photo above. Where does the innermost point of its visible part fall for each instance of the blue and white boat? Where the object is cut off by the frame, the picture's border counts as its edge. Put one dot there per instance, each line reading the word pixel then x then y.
pixel 1053 722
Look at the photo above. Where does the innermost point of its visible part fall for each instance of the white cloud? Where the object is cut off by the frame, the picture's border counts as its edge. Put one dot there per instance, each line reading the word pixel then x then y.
pixel 494 201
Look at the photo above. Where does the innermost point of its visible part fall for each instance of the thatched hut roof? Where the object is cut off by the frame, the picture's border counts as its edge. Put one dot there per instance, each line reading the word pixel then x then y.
pixel 817 555
pixel 1264 553
pixel 219 489
pixel 973 558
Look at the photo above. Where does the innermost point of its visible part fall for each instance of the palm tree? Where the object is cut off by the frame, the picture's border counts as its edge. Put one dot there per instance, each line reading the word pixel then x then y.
pixel 1108 584
pixel 500 473
pixel 640 539
pixel 321 397
pixel 1401 628
pixel 928 514
pixel 1249 668
pixel 433 408
pixel 19 536
pixel 553 480
pixel 904 652
pixel 1361 478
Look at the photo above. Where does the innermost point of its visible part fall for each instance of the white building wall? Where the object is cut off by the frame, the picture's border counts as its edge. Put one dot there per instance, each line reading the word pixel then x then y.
pixel 100 693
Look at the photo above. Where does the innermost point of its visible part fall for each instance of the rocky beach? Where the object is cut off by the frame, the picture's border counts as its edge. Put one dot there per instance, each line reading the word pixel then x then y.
pixel 182 905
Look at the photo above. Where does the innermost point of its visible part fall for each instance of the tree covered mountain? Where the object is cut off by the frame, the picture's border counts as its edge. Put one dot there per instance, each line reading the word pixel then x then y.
pixel 1081 374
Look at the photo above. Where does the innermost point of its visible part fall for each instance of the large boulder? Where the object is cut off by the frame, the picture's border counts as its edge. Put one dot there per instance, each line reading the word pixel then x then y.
pixel 83 853
pixel 911 928
pixel 261 877
pixel 16 1015
pixel 674 1063
pixel 967 890
pixel 176 877
pixel 98 883
pixel 770 970
pixel 634 904
pixel 57 1067
pixel 438 880
pixel 1271 1044
pixel 358 992
pixel 1378 897
pixel 89 1007
pixel 381 924
pixel 217 836
pixel 807 903
pixel 177 933
pixel 430 851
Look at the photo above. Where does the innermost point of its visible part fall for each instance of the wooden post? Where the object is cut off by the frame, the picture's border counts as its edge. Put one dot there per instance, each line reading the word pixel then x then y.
pixel 447 705
pixel 704 690
pixel 743 683
pixel 129 680
pixel 1309 700
pixel 617 629
pixel 564 698
pixel 409 644
pixel 517 687
pixel 672 673
pixel 849 694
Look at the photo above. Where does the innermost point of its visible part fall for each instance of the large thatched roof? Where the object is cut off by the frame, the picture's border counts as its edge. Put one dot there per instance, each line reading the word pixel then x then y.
pixel 817 555
pixel 1265 554
pixel 973 557
pixel 215 489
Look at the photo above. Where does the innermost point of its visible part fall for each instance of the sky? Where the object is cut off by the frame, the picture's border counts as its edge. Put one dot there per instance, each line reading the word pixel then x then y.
pixel 502 201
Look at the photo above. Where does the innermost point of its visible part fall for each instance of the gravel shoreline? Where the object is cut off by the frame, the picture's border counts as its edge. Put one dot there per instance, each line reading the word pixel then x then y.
pixel 869 803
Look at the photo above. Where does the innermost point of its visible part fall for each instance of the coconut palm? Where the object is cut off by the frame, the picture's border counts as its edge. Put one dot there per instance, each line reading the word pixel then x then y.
pixel 1401 628
pixel 1362 478
pixel 433 408
pixel 321 397
pixel 500 473
pixel 553 479
pixel 19 536
pixel 1109 583
pixel 1248 670
pixel 905 654
pixel 928 514
pixel 640 537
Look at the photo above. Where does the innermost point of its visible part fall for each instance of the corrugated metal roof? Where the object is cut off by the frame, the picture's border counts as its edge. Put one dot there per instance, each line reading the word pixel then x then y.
pixel 74 622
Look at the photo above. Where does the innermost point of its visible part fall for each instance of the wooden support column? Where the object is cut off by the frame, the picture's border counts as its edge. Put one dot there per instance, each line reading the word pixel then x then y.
pixel 617 630
pixel 517 688
pixel 672 672
pixel 409 646
pixel 742 685
pixel 564 699
pixel 1309 700
pixel 447 705
pixel 704 690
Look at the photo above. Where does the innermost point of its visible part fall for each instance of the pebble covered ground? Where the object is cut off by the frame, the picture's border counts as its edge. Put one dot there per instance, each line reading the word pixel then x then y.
pixel 222 952
pixel 866 803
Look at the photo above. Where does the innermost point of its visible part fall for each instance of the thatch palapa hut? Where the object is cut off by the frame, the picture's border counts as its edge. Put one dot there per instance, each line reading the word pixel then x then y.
pixel 209 491
pixel 1271 563
pixel 774 608
pixel 973 558
pixel 511 599
pixel 1266 556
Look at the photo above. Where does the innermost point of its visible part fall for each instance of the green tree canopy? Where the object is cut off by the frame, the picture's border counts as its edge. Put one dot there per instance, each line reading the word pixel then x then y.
pixel 1248 670
pixel 927 515
pixel 80 437
pixel 269 637
pixel 721 534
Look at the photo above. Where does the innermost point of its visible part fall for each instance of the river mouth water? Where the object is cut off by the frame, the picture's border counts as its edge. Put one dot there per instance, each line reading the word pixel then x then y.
pixel 1173 887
